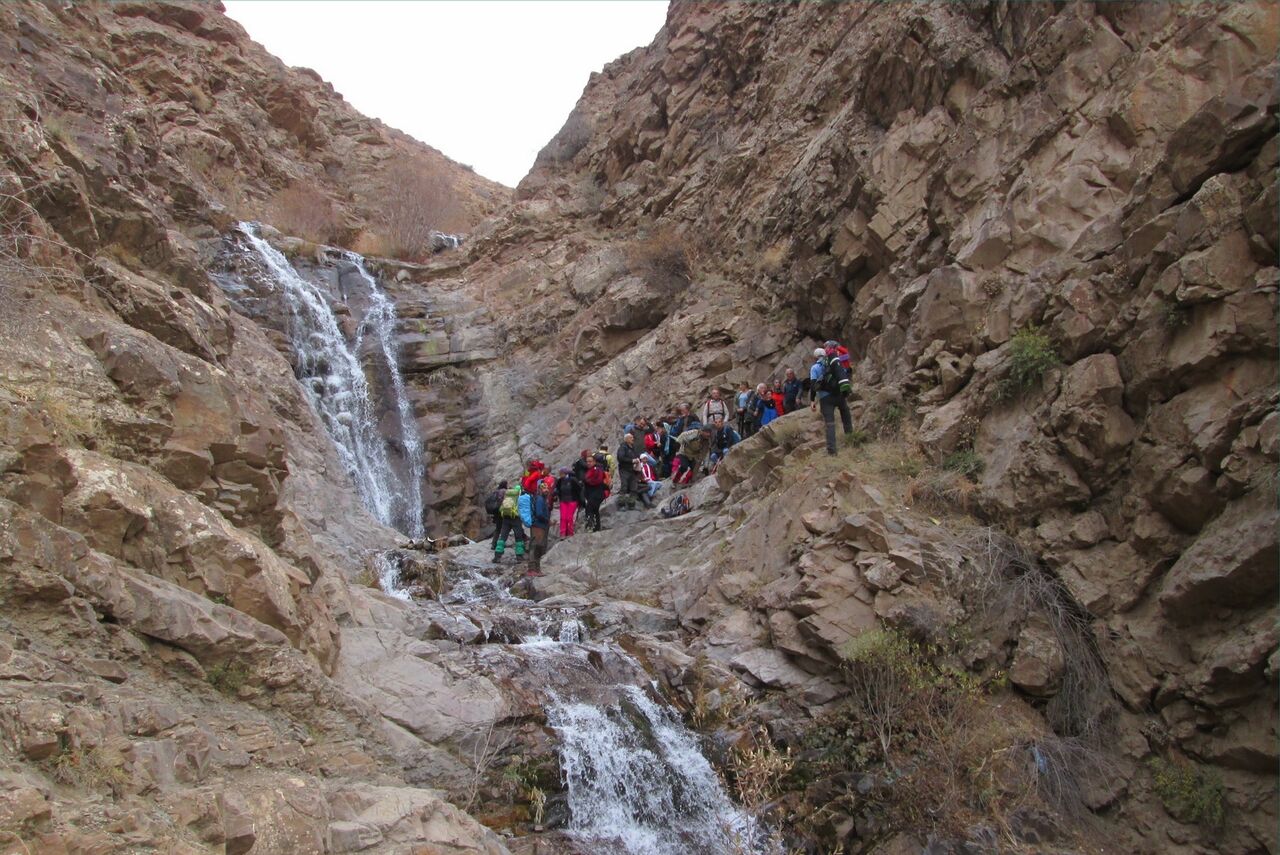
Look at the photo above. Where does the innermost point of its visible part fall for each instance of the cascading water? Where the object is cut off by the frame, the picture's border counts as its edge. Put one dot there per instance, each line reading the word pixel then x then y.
pixel 638 783
pixel 381 319
pixel 336 387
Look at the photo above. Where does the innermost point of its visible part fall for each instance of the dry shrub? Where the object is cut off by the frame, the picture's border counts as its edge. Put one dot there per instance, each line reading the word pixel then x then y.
pixel 304 211
pixel 941 491
pixel 1001 581
pixel 760 771
pixel 416 200
pixel 660 254
pixel 371 244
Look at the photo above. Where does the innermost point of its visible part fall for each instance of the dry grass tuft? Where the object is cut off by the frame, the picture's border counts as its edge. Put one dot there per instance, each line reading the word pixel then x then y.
pixel 304 211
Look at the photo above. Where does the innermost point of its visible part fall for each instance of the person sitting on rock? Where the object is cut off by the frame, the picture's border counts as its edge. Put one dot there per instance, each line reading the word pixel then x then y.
pixel 649 475
pixel 539 520
pixel 593 493
pixel 694 445
pixel 510 513
pixel 723 438
pixel 569 493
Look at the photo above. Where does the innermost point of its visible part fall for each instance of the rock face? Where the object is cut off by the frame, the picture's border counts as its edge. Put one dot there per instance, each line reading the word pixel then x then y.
pixel 1047 231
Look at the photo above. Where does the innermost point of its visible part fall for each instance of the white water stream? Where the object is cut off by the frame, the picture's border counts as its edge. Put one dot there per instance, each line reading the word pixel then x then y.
pixel 329 369
pixel 636 778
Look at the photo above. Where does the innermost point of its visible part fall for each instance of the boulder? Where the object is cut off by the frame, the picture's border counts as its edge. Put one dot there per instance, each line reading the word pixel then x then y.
pixel 1038 662
pixel 1232 563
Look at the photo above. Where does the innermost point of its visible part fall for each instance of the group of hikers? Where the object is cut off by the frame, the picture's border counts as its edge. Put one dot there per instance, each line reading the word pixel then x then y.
pixel 652 450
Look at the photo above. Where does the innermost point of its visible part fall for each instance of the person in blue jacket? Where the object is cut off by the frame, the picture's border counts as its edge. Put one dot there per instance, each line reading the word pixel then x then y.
pixel 539 520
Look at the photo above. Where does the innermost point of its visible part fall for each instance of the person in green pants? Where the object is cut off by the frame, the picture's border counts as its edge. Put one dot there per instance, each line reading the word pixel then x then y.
pixel 509 512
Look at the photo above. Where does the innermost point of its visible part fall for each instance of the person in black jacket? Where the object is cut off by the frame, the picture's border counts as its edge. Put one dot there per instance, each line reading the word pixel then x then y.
pixel 628 481
pixel 790 391
pixel 569 492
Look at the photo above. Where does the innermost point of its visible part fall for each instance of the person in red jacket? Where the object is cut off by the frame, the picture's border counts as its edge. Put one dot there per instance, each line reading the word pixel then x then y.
pixel 534 472
pixel 779 399
pixel 593 492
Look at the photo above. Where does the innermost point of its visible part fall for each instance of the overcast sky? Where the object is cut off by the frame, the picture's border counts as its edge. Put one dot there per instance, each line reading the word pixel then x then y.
pixel 487 83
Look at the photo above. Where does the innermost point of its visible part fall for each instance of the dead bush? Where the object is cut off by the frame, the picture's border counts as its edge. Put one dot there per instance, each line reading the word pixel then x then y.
pixel 940 491
pixel 660 254
pixel 304 211
pixel 1001 581
pixel 415 202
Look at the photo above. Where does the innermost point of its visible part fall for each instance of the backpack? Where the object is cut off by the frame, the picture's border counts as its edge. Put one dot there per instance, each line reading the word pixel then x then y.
pixel 678 505
pixel 834 378
pixel 494 502
pixel 509 508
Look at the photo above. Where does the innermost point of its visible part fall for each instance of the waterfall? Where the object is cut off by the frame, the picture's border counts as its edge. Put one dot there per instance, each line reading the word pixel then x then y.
pixel 335 385
pixel 639 784
pixel 381 318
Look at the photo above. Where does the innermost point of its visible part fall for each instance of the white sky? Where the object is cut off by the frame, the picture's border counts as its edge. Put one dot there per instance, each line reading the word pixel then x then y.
pixel 487 83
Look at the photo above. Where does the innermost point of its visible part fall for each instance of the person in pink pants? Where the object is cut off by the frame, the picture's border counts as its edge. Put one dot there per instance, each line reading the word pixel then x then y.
pixel 569 491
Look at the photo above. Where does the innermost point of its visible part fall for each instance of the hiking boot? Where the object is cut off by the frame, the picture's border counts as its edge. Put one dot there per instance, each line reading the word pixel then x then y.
pixel 519 559
pixel 496 558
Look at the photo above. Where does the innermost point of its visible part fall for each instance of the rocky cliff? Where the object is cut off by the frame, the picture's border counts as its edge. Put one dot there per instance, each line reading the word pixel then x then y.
pixel 1049 233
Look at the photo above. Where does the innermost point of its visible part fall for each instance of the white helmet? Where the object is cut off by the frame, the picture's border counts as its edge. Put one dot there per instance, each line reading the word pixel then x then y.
pixel 817 351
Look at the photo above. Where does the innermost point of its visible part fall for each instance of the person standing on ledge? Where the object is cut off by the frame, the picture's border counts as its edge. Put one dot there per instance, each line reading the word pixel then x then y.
pixel 825 377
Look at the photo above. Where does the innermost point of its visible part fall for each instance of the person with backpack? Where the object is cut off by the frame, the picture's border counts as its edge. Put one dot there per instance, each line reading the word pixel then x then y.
pixel 790 391
pixel 569 492
pixel 714 406
pixel 509 511
pixel 766 409
pixel 493 507
pixel 533 473
pixel 826 376
pixel 539 521
pixel 593 491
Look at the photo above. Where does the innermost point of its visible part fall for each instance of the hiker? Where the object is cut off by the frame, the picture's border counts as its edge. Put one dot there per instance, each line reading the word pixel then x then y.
pixel 610 464
pixel 826 375
pixel 533 473
pixel 629 469
pixel 791 391
pixel 569 492
pixel 766 410
pixel 539 521
pixel 743 402
pixel 723 438
pixel 509 511
pixel 693 450
pixel 580 465
pixel 779 400
pixel 714 406
pixel 593 490
pixel 684 421
pixel 665 451
pixel 649 476
pixel 493 507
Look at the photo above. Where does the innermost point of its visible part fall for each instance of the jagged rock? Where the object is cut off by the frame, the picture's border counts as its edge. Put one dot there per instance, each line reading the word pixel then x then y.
pixel 1230 564
pixel 1038 663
